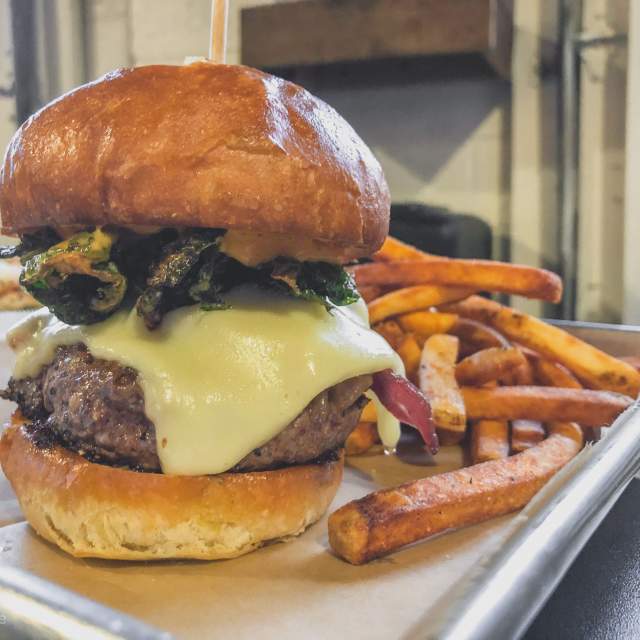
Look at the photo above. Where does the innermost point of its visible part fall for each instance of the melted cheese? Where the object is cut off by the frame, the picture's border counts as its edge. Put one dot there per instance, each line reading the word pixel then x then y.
pixel 218 384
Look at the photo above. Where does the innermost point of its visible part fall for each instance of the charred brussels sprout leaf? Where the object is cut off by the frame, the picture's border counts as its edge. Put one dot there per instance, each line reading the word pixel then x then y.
pixel 30 244
pixel 320 281
pixel 75 278
pixel 184 274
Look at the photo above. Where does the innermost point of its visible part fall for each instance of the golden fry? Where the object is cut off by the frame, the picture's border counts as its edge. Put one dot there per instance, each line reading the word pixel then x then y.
pixel 438 383
pixel 568 429
pixel 597 369
pixel 634 361
pixel 370 293
pixel 481 275
pixel 478 334
pixel 526 434
pixel 413 299
pixel 391 331
pixel 409 352
pixel 553 374
pixel 394 249
pixel 545 404
pixel 427 323
pixel 522 374
pixel 369 413
pixel 488 365
pixel 386 520
pixel 362 438
pixel 489 440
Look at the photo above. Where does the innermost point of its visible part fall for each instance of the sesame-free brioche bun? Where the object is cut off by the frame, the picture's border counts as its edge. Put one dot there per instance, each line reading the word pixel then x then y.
pixel 202 145
pixel 93 510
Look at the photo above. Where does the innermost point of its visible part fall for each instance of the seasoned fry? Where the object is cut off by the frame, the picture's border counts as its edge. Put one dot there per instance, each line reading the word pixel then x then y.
pixel 481 275
pixel 592 366
pixel 523 374
pixel 409 352
pixel 488 365
pixel 394 249
pixel 553 374
pixel 489 440
pixel 362 438
pixel 634 361
pixel 386 520
pixel 568 429
pixel 427 323
pixel 546 404
pixel 369 413
pixel 413 299
pixel 478 334
pixel 370 293
pixel 526 434
pixel 438 383
pixel 391 331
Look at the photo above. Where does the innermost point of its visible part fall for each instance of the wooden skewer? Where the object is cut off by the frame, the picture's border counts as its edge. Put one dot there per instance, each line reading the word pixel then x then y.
pixel 218 33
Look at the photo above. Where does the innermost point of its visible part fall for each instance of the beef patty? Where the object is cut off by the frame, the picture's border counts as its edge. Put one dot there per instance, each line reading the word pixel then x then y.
pixel 96 407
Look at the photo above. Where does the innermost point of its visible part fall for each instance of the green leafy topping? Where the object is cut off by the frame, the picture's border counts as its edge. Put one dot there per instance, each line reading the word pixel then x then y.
pixel 320 281
pixel 90 275
pixel 75 277
pixel 175 280
pixel 30 245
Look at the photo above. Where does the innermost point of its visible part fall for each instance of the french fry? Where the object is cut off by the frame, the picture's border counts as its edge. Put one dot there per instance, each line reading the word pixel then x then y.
pixel 568 429
pixel 386 520
pixel 361 439
pixel 410 353
pixel 553 374
pixel 437 381
pixel 526 434
pixel 523 374
pixel 478 334
pixel 597 369
pixel 489 440
pixel 391 331
pixel 370 293
pixel 488 365
pixel 394 249
pixel 427 323
pixel 545 404
pixel 369 413
pixel 481 275
pixel 634 361
pixel 413 299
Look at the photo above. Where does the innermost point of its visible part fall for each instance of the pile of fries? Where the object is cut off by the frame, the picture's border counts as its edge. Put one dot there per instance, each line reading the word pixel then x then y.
pixel 521 395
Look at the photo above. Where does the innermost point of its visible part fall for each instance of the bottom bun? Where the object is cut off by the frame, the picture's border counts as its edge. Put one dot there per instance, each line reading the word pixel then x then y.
pixel 93 510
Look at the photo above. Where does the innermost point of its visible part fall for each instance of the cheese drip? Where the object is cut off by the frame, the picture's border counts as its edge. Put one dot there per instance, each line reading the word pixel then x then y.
pixel 218 384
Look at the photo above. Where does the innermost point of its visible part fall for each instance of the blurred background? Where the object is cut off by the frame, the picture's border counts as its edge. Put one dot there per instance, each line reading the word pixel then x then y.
pixel 506 129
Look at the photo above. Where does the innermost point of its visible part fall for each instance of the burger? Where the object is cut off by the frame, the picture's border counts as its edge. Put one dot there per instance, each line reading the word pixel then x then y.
pixel 201 354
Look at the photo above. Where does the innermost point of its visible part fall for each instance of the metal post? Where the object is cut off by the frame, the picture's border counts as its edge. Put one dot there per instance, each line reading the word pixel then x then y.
pixel 570 128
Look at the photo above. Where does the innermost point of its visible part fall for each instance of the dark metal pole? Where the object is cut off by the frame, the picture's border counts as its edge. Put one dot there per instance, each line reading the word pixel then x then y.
pixel 570 128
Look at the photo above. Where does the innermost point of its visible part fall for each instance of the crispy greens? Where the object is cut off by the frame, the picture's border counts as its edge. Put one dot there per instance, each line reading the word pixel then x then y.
pixel 77 270
pixel 85 278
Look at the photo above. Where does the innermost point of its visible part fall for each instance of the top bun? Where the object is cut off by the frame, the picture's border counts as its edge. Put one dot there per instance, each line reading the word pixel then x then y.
pixel 202 145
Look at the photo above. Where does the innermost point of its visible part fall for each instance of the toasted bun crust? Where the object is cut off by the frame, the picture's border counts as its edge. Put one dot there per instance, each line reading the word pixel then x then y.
pixel 92 510
pixel 203 145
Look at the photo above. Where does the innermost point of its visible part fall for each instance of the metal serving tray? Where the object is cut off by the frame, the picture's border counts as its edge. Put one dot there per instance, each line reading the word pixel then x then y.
pixel 486 581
